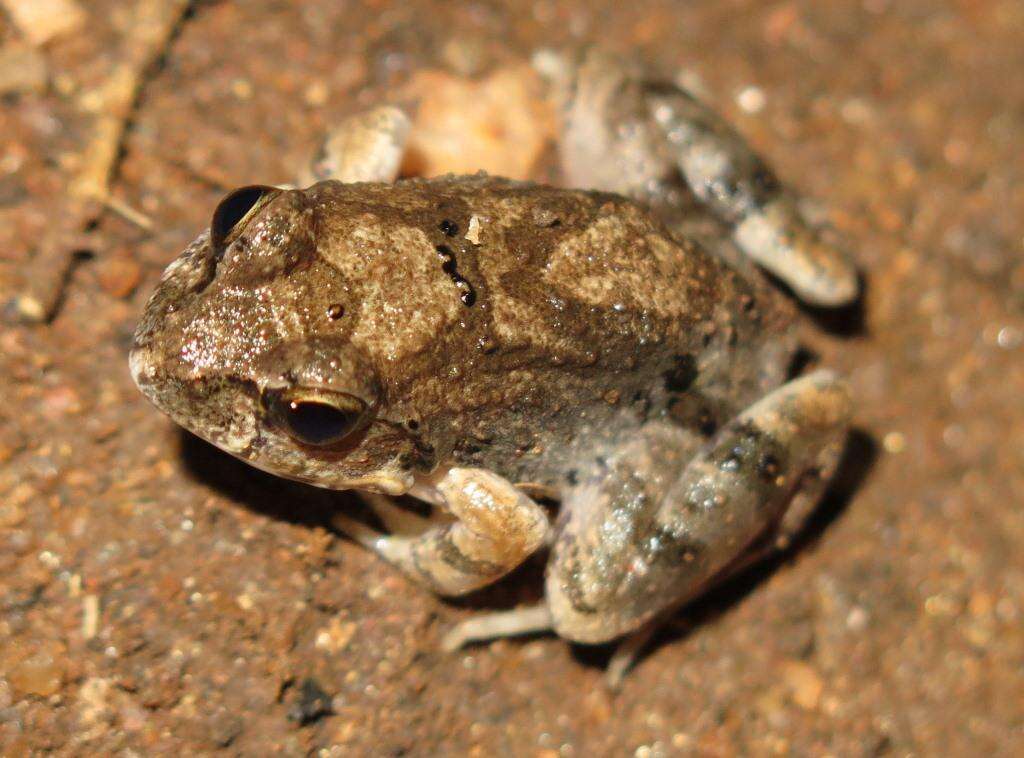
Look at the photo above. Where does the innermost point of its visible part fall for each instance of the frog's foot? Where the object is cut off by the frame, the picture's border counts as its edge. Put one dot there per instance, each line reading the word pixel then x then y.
pixel 665 134
pixel 488 626
pixel 622 560
pixel 627 653
pixel 366 147
pixel 494 528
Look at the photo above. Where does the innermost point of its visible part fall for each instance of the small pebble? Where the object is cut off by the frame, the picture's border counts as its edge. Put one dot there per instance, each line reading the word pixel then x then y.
pixel 751 99
pixel 804 684
pixel 1009 337
pixel 311 704
pixel 60 402
pixel 93 701
pixel 242 89
pixel 39 21
pixel 316 93
pixel 894 442
pixel 336 636
pixel 23 70
pixel 118 276
pixel 857 619
pixel 40 674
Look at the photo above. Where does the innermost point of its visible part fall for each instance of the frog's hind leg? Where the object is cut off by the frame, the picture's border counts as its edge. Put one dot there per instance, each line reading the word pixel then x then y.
pixel 779 538
pixel 740 189
pixel 625 133
pixel 620 562
pixel 365 147
pixel 489 528
pixel 651 531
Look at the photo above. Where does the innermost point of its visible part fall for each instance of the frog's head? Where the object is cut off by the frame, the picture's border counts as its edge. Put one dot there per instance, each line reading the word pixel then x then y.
pixel 244 344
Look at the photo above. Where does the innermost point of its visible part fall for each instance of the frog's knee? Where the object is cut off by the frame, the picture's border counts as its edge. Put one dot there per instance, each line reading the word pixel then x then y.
pixel 597 593
pixel 577 617
pixel 780 240
pixel 817 403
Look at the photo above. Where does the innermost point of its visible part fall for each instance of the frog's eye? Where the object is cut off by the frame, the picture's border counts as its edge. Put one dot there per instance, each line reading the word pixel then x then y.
pixel 320 420
pixel 231 213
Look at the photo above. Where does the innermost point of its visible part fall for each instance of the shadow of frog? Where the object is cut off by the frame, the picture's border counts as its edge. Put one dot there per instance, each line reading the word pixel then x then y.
pixel 270 495
pixel 309 506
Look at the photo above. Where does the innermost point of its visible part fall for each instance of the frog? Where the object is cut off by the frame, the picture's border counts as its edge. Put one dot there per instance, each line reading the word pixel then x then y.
pixel 599 373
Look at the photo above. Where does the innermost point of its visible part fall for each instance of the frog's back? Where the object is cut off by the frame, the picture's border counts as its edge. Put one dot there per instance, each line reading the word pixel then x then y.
pixel 549 311
pixel 536 268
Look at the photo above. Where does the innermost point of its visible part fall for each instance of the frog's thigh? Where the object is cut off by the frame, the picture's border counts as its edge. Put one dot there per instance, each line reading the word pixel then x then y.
pixel 802 505
pixel 366 147
pixel 495 528
pixel 738 187
pixel 611 574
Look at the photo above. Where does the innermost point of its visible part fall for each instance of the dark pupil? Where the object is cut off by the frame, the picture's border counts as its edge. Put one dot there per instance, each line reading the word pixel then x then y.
pixel 319 423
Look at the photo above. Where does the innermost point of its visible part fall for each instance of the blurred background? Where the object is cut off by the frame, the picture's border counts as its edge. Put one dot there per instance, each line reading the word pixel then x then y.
pixel 158 597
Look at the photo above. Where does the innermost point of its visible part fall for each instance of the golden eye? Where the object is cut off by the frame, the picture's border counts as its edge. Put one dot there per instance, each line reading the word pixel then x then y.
pixel 321 420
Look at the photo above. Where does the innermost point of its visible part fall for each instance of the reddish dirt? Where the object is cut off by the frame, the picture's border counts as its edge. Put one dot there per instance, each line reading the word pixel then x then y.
pixel 157 596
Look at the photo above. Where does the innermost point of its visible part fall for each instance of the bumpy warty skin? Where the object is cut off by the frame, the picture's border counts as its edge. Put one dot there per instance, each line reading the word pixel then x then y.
pixel 487 323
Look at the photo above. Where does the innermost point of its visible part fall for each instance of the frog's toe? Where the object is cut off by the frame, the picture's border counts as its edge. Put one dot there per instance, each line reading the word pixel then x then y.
pixel 627 653
pixel 488 626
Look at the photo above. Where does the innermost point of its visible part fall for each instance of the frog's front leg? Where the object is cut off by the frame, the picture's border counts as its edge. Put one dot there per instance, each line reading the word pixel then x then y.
pixel 365 147
pixel 621 559
pixel 495 528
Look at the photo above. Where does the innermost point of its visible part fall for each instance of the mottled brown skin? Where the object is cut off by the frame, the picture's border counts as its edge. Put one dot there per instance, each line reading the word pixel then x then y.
pixel 475 342
pixel 582 308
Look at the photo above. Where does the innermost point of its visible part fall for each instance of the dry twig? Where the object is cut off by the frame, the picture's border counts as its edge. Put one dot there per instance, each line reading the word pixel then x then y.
pixel 89 190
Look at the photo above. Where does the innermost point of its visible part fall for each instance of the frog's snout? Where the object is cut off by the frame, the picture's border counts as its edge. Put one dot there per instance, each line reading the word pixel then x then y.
pixel 137 364
pixel 144 366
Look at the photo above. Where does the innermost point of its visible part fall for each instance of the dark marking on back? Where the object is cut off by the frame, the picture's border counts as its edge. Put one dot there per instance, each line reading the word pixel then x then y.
pixel 450 266
pixel 667 548
pixel 769 467
pixel 682 374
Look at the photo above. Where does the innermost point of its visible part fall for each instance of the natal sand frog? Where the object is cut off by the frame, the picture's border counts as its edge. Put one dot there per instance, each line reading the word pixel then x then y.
pixel 481 344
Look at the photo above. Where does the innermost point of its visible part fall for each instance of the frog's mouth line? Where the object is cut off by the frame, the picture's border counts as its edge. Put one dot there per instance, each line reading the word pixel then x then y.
pixel 393 483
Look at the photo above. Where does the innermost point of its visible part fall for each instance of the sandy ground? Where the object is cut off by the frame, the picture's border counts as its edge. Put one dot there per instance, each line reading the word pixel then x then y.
pixel 159 597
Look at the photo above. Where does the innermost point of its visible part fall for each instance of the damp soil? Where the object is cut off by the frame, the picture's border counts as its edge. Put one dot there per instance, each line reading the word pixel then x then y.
pixel 158 597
